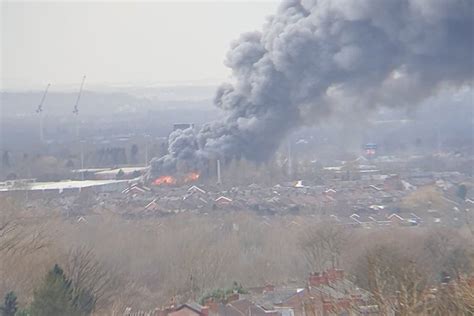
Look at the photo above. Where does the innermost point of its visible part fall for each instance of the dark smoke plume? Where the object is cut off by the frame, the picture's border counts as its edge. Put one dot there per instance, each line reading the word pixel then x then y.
pixel 318 57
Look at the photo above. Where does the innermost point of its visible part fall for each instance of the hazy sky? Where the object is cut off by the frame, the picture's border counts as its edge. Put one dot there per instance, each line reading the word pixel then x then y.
pixel 116 42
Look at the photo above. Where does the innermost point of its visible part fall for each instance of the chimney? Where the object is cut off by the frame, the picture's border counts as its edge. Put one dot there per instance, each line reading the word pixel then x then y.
pixel 213 306
pixel 343 303
pixel 232 297
pixel 317 279
pixel 268 288
pixel 328 307
pixel 470 281
pixel 205 311
pixel 219 180
pixel 163 312
pixel 330 275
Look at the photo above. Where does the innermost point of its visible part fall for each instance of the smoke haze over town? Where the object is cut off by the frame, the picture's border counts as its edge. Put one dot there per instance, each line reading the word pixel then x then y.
pixel 273 158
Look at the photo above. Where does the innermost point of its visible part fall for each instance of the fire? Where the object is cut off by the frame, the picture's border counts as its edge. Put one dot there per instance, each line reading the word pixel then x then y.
pixel 164 180
pixel 170 180
pixel 191 177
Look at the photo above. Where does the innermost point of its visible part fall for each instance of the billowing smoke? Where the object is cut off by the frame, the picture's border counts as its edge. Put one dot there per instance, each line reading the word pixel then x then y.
pixel 319 57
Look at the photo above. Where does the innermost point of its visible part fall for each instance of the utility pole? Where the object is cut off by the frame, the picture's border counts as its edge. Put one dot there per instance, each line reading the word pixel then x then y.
pixel 219 180
pixel 146 150
pixel 438 131
pixel 146 154
pixel 290 162
pixel 82 160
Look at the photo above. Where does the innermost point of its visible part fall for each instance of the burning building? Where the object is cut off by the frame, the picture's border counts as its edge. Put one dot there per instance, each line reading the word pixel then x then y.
pixel 176 180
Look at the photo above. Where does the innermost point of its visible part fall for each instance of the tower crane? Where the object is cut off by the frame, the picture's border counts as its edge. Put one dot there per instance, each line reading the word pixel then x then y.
pixel 76 106
pixel 39 110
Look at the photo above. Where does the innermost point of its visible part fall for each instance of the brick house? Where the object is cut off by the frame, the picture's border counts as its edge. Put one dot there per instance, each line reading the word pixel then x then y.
pixel 339 295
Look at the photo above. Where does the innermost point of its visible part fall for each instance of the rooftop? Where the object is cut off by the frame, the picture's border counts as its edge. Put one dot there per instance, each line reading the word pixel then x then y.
pixel 61 185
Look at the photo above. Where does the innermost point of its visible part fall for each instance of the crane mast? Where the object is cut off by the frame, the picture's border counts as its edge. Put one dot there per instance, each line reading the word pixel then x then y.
pixel 40 105
pixel 75 111
pixel 39 110
pixel 76 105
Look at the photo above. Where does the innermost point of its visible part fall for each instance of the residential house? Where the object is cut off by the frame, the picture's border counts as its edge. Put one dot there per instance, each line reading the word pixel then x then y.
pixel 223 200
pixel 338 295
pixel 196 190
pixel 190 309
pixel 241 307
pixel 288 301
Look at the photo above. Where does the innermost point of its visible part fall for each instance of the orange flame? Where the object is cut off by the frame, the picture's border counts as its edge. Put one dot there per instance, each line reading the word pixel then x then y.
pixel 164 180
pixel 191 177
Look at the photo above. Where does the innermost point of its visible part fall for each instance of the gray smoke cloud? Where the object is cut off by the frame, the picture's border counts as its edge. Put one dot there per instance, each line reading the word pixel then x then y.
pixel 319 57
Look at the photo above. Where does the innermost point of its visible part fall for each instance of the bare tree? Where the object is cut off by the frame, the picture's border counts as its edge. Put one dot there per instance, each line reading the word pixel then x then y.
pixel 467 296
pixel 469 219
pixel 322 246
pixel 397 283
pixel 15 233
pixel 455 298
pixel 447 251
pixel 89 274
